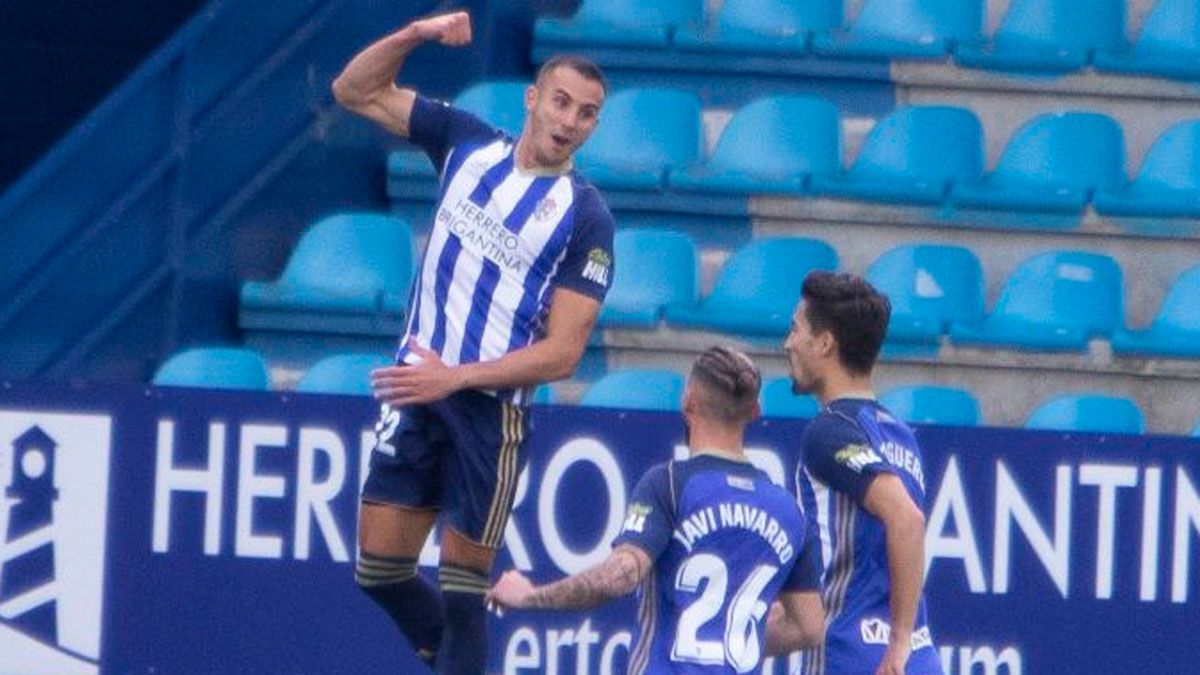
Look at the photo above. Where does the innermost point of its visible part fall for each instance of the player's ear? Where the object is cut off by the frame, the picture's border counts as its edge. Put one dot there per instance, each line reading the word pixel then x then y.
pixel 531 94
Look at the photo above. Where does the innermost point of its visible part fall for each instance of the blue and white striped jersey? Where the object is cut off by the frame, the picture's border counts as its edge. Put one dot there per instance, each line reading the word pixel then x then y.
pixel 502 240
pixel 725 542
pixel 849 443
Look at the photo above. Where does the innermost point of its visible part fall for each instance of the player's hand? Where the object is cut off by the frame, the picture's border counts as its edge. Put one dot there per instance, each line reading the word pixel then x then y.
pixel 452 30
pixel 512 590
pixel 424 382
pixel 894 660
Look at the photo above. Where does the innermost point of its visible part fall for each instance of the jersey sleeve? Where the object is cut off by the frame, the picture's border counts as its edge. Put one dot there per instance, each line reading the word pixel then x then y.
pixel 651 515
pixel 838 453
pixel 806 572
pixel 588 264
pixel 436 127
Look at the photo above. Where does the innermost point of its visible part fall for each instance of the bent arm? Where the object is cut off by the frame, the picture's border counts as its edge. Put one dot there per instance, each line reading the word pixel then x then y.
pixel 618 575
pixel 904 528
pixel 554 357
pixel 796 621
pixel 367 85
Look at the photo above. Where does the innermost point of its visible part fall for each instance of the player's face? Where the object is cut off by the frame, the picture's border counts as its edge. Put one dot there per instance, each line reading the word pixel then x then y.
pixel 562 111
pixel 801 350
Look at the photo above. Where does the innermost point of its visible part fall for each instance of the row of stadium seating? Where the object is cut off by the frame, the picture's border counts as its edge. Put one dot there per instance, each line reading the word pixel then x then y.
pixel 651 141
pixel 350 273
pixel 648 389
pixel 1034 35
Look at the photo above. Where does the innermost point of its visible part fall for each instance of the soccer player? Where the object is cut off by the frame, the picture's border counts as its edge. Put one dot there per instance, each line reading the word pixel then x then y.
pixel 860 485
pixel 711 542
pixel 517 263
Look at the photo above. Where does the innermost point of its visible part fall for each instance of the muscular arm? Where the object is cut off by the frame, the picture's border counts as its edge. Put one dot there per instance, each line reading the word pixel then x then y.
pixel 554 357
pixel 796 621
pixel 367 85
pixel 618 575
pixel 904 528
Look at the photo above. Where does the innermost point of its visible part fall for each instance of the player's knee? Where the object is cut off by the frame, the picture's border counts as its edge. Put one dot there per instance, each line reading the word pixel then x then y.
pixel 373 572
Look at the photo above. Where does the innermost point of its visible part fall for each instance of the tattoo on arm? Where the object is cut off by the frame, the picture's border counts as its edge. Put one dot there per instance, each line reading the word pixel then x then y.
pixel 618 575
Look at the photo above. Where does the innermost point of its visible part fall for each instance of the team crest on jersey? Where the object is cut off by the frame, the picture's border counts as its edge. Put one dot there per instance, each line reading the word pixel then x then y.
pixel 598 265
pixel 545 208
pixel 635 520
pixel 856 456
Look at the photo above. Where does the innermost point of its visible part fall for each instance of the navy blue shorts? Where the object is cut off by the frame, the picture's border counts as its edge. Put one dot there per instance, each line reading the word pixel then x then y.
pixel 460 456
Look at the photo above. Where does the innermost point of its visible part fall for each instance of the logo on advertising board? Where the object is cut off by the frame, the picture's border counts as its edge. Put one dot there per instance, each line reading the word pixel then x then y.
pixel 53 506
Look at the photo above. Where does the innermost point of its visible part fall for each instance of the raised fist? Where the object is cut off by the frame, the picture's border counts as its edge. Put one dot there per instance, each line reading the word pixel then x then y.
pixel 452 30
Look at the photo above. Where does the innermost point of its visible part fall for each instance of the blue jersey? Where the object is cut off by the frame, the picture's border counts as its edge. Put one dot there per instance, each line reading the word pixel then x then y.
pixel 725 541
pixel 502 240
pixel 843 449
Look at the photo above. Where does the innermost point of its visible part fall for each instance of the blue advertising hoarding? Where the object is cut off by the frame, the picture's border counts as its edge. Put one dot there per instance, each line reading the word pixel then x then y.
pixel 179 531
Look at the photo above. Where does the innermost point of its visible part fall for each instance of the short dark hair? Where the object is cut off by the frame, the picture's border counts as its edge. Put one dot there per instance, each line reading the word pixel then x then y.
pixel 730 383
pixel 850 308
pixel 580 64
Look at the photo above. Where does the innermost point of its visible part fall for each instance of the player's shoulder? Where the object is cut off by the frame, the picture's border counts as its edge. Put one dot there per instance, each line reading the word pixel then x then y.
pixel 589 203
pixel 832 428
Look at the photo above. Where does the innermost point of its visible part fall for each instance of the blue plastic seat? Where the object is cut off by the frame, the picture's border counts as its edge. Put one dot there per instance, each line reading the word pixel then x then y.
pixel 783 27
pixel 348 374
pixel 544 394
pixel 1053 164
pixel 214 368
pixel 1169 44
pixel 1099 413
pixel 1196 430
pixel 346 266
pixel 621 23
pixel 932 404
pixel 758 288
pixel 1049 36
pixel 771 145
pixel 905 29
pixel 930 287
pixel 500 103
pixel 656 268
pixel 636 389
pixel 778 400
pixel 643 133
pixel 1168 184
pixel 1175 330
pixel 1052 301
pixel 911 156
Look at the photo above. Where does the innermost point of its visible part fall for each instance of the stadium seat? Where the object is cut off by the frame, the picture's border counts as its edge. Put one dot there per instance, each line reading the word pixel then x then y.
pixel 1049 36
pixel 349 272
pixel 637 389
pixel 771 145
pixel 905 29
pixel 348 374
pixel 930 287
pixel 1053 164
pixel 544 394
pixel 782 27
pixel 1169 44
pixel 1168 184
pixel 911 156
pixel 1099 413
pixel 930 404
pixel 1175 330
pixel 1196 430
pixel 1052 301
pixel 757 288
pixel 214 368
pixel 499 103
pixel 645 133
pixel 618 23
pixel 656 268
pixel 778 400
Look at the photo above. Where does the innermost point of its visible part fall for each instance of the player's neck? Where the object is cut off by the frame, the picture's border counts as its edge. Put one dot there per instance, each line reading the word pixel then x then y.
pixel 527 162
pixel 712 440
pixel 841 385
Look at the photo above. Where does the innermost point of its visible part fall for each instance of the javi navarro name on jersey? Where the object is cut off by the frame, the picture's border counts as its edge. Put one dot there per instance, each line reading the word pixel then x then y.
pixel 710 519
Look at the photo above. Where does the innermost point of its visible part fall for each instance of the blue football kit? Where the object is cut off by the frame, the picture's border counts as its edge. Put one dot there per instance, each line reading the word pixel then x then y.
pixel 725 541
pixel 502 241
pixel 849 443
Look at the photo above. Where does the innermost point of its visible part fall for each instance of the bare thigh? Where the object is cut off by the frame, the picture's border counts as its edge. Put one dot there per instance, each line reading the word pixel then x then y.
pixel 393 531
